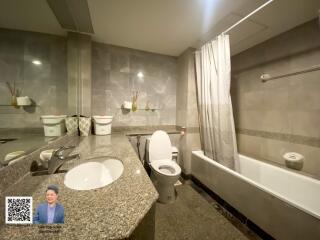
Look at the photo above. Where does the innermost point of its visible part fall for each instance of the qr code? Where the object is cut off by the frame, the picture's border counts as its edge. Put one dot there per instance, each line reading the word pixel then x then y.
pixel 18 210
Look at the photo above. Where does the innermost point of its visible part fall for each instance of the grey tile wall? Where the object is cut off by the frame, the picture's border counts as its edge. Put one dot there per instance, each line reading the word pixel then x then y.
pixel 114 78
pixel 187 109
pixel 288 106
pixel 46 84
pixel 79 73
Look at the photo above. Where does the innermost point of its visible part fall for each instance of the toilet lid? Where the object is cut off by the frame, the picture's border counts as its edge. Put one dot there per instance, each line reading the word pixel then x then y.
pixel 159 146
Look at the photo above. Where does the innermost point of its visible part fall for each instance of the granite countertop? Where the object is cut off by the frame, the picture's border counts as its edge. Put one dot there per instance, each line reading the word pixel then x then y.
pixel 147 130
pixel 111 212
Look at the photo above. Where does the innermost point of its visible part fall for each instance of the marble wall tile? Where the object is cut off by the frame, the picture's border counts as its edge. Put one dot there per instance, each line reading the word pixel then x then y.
pixel 187 108
pixel 304 93
pixel 193 117
pixel 114 78
pixel 305 123
pixel 45 84
pixel 311 162
pixel 101 55
pixel 273 150
pixel 192 143
pixel 101 77
pixel 85 82
pixel 288 105
pixel 279 96
pixel 120 61
pixel 249 119
pixel 250 145
pixel 252 100
pixel 119 81
pixel 275 121
pixel 182 89
pixel 294 42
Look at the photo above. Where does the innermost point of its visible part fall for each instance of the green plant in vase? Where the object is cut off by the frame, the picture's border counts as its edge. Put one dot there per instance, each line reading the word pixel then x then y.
pixel 14 94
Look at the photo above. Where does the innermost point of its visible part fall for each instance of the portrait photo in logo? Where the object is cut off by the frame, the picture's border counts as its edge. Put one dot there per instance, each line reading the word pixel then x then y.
pixel 49 212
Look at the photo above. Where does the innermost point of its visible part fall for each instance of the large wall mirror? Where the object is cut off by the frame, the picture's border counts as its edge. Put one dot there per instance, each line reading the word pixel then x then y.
pixel 39 79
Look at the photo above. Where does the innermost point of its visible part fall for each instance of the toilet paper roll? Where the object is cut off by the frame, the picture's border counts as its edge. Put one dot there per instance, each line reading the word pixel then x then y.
pixel 293 156
pixel 24 101
pixel 294 160
pixel 127 105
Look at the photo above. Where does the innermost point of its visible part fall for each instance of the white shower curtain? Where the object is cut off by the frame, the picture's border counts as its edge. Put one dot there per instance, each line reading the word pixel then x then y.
pixel 213 73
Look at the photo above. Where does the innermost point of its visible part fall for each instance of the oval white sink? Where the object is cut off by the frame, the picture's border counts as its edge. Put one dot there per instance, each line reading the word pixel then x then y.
pixel 93 175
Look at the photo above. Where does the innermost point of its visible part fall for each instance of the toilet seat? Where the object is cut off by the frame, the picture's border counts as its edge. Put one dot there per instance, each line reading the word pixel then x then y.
pixel 166 167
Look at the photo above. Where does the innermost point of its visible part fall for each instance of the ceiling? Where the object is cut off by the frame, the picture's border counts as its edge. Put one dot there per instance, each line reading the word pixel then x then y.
pixel 167 26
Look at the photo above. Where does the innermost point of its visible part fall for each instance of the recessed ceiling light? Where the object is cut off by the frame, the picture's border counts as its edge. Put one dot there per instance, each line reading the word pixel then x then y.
pixel 140 75
pixel 36 62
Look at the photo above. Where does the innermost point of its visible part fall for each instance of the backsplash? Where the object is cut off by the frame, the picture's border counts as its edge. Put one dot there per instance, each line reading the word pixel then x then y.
pixel 45 84
pixel 114 79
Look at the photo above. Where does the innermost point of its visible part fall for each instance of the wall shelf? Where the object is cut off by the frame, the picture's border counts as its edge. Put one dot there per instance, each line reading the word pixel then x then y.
pixel 9 105
pixel 141 109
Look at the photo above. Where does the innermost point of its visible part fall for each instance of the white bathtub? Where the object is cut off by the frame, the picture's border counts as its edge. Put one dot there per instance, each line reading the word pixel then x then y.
pixel 283 203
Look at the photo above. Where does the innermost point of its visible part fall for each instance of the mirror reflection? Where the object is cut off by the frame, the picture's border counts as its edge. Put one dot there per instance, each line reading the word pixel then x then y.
pixel 33 91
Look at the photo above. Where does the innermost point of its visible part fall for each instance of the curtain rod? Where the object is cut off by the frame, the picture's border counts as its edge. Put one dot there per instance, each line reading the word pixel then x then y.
pixel 249 15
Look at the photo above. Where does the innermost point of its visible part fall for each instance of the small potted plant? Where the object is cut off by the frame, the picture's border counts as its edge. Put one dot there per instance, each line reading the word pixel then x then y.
pixel 14 92
pixel 135 101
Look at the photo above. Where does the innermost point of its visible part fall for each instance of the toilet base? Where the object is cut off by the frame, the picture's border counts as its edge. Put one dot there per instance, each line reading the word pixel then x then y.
pixel 167 192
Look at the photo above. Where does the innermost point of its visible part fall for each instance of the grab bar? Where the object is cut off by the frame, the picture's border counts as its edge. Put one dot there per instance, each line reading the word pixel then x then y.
pixel 267 77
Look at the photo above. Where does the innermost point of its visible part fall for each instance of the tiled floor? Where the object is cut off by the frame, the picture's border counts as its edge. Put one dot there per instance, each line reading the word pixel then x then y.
pixel 195 215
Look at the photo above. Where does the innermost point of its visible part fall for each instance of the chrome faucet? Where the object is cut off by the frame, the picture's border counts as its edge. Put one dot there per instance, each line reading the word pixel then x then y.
pixel 58 158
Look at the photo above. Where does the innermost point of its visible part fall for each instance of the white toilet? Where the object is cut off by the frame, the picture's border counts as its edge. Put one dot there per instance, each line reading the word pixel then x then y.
pixel 164 171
